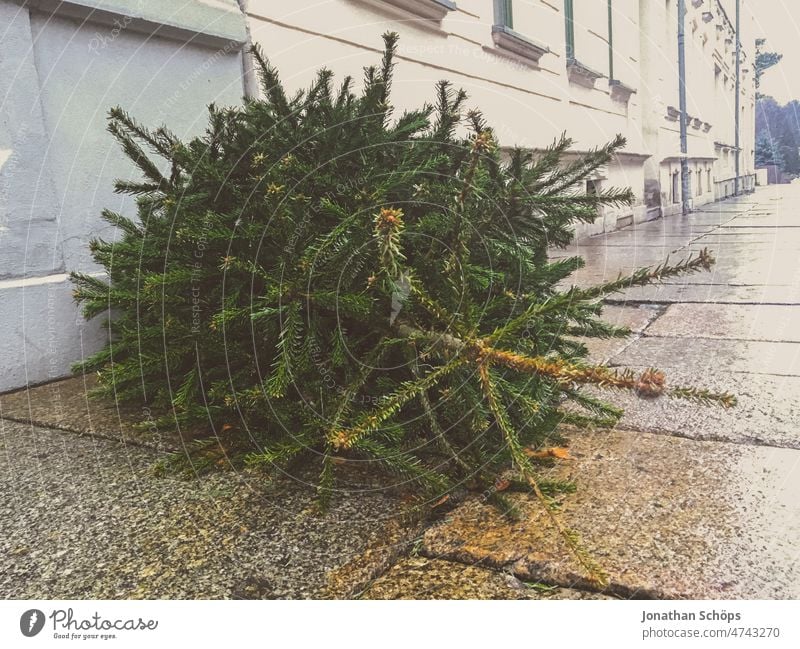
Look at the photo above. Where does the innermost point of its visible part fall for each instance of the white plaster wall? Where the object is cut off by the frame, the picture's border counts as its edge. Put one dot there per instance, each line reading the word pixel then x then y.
pixel 591 34
pixel 528 106
pixel 28 201
pixel 626 37
pixel 42 331
pixel 156 80
pixel 58 78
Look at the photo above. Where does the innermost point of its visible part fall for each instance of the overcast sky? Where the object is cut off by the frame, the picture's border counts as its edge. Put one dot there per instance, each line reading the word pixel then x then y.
pixel 779 22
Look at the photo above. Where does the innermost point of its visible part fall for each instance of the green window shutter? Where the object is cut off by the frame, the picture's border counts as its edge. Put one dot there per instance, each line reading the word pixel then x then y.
pixel 610 41
pixel 503 13
pixel 569 26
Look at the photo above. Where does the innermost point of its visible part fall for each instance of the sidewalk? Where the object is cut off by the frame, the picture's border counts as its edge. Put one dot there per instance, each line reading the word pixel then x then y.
pixel 680 501
pixel 735 328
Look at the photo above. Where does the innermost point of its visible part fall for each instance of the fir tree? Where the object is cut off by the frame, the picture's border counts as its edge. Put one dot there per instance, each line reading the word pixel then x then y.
pixel 764 61
pixel 768 152
pixel 328 280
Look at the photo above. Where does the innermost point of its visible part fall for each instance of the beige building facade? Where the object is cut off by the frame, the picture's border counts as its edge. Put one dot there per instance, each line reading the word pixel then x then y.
pixel 710 47
pixel 536 68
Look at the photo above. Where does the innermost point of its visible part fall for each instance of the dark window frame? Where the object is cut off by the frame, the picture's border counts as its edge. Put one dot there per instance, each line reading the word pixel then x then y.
pixel 569 29
pixel 504 13
pixel 507 39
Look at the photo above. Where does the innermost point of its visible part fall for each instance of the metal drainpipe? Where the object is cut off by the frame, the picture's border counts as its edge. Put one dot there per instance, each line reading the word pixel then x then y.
pixel 249 79
pixel 736 183
pixel 682 100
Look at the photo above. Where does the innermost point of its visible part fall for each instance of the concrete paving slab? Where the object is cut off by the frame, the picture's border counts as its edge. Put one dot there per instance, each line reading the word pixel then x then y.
pixel 629 238
pixel 86 518
pixel 767 412
pixel 66 405
pixel 753 266
pixel 678 226
pixel 731 321
pixel 636 318
pixel 779 212
pixel 603 255
pixel 735 264
pixel 717 293
pixel 605 261
pixel 786 221
pixel 351 579
pixel 748 234
pixel 422 578
pixel 713 355
pixel 657 231
pixel 776 266
pixel 722 208
pixel 594 274
pixel 741 248
pixel 666 518
pixel 698 220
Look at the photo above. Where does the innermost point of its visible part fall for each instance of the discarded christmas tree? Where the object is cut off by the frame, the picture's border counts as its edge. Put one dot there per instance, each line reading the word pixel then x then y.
pixel 316 277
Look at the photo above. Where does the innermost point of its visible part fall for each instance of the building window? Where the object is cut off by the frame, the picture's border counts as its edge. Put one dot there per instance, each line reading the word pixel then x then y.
pixel 676 187
pixel 610 42
pixel 592 187
pixel 699 182
pixel 708 179
pixel 504 13
pixel 508 40
pixel 577 71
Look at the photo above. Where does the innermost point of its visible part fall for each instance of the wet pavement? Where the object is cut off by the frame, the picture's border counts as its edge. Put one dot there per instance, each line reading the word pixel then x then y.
pixel 680 501
pixel 735 328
